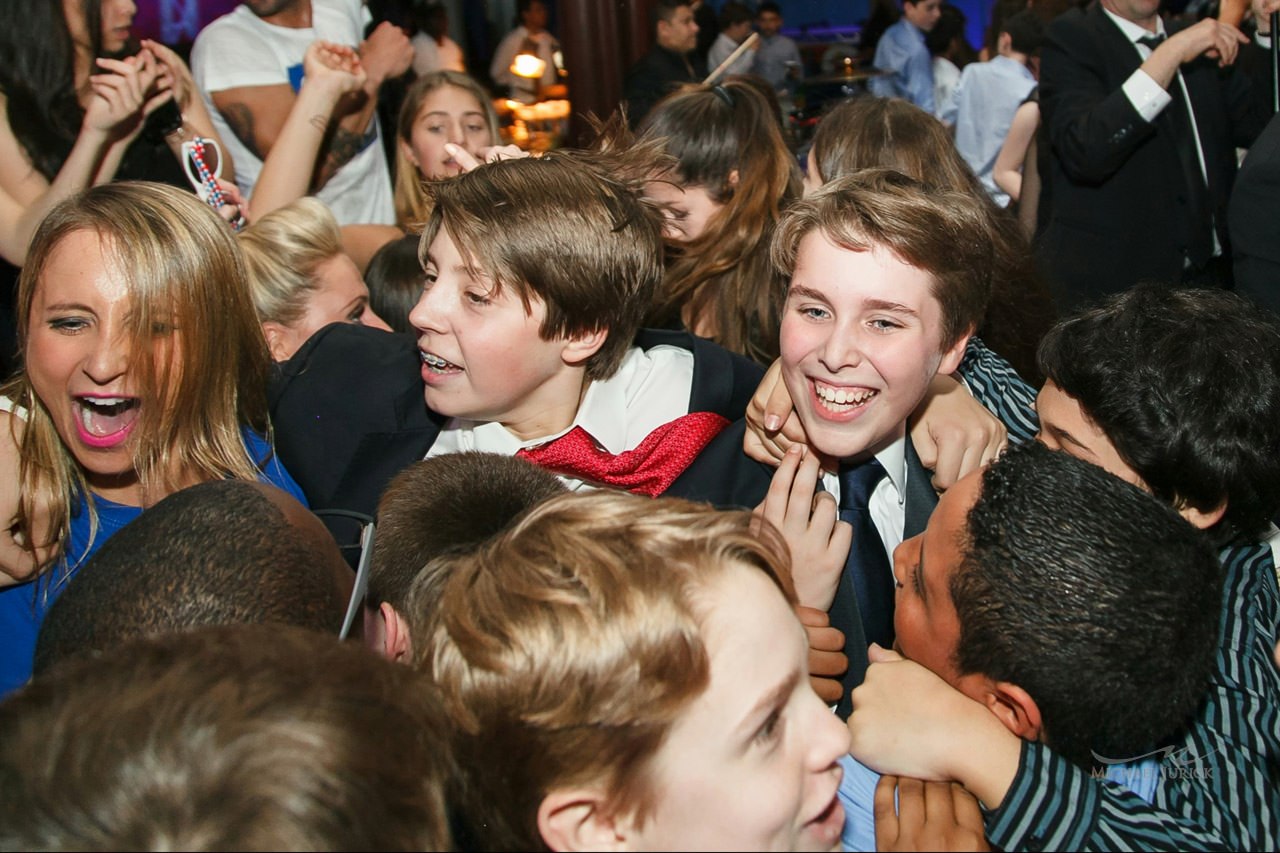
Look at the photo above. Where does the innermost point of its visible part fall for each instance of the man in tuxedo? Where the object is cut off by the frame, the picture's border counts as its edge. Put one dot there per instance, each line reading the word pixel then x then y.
pixel 1142 127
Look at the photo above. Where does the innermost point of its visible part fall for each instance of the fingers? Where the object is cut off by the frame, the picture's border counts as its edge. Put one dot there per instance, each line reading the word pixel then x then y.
pixel 776 499
pixel 461 156
pixel 778 405
pixel 829 690
pixel 965 807
pixel 878 654
pixel 886 813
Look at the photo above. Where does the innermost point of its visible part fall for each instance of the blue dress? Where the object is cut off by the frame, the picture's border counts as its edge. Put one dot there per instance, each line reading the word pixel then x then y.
pixel 23 607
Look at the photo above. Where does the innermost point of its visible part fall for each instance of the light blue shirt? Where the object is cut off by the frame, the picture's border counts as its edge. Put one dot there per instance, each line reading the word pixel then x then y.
pixel 901 50
pixel 858 789
pixel 772 58
pixel 982 109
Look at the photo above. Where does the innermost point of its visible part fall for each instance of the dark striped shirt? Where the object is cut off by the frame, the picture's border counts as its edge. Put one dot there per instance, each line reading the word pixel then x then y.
pixel 1220 782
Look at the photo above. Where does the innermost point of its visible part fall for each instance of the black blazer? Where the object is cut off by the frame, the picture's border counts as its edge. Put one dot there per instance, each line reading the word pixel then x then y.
pixel 1255 220
pixel 1118 209
pixel 349 413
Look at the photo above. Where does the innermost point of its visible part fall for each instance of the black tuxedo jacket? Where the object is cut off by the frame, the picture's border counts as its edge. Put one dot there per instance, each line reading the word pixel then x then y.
pixel 724 476
pixel 1118 208
pixel 349 414
pixel 1255 220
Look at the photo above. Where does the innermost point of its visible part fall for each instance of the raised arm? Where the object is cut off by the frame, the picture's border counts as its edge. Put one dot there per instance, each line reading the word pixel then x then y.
pixel 330 71
pixel 1007 171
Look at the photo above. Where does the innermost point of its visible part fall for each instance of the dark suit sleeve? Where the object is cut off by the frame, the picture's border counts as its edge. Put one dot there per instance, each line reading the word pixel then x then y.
pixel 1092 126
pixel 348 414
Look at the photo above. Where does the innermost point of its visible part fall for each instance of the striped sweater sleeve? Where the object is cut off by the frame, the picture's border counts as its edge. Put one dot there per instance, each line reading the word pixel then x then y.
pixel 1218 787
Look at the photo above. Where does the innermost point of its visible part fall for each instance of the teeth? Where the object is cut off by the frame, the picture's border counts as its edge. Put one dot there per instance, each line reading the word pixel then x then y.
pixel 104 401
pixel 842 396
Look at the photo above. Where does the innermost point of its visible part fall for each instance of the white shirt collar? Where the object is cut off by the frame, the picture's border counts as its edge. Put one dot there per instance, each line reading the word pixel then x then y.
pixel 1133 32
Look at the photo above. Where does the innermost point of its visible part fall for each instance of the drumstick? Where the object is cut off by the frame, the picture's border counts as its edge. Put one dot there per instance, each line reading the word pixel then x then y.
pixel 729 60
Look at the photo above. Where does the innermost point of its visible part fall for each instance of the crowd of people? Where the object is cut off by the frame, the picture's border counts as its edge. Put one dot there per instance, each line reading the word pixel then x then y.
pixel 391 487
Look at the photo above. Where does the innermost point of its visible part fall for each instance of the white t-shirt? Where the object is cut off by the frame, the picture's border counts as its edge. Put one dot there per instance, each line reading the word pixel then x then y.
pixel 429 56
pixel 241 50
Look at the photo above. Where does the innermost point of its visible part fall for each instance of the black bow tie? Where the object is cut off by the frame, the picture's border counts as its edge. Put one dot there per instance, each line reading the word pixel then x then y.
pixel 1151 42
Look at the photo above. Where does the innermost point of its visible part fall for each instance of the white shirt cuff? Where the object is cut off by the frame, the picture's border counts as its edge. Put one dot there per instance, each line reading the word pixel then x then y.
pixel 1147 96
pixel 1262 40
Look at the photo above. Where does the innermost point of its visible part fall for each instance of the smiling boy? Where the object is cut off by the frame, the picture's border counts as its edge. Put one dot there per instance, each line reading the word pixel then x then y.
pixel 888 281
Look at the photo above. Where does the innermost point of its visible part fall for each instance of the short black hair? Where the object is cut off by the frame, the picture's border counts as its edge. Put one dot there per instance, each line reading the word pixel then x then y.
pixel 395 279
pixel 769 6
pixel 1026 31
pixel 733 13
pixel 1186 385
pixel 951 23
pixel 665 10
pixel 1098 600
pixel 444 505
pixel 214 554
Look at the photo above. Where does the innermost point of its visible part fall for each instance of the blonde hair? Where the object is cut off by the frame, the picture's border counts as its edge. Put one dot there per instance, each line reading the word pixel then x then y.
pixel 413 202
pixel 567 648
pixel 282 251
pixel 180 265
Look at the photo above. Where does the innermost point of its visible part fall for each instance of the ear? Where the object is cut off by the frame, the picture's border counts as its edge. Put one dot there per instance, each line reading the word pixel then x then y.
pixel 1203 519
pixel 578 348
pixel 406 150
pixel 279 340
pixel 576 820
pixel 1016 709
pixel 954 354
pixel 733 178
pixel 396 644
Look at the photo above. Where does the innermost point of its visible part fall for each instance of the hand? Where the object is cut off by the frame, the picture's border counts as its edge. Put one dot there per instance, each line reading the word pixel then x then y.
pixel 174 73
pixel 907 721
pixel 489 154
pixel 1210 37
pixel 236 210
pixel 953 433
pixel 16 562
pixel 807 519
pixel 928 816
pixel 827 661
pixel 125 95
pixel 335 67
pixel 386 53
pixel 772 424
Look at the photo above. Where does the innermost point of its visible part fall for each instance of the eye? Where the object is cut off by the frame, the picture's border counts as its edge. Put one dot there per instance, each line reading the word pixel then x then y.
pixel 883 325
pixel 357 315
pixel 476 128
pixel 477 298
pixel 813 312
pixel 771 730
pixel 70 325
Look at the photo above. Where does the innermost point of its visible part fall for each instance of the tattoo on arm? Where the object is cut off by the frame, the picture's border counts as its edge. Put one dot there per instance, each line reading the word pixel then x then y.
pixel 343 145
pixel 240 119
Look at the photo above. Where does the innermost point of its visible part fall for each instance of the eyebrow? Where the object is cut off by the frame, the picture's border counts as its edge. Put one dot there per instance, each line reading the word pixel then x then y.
pixel 1065 437
pixel 447 114
pixel 806 292
pixel 69 306
pixel 761 709
pixel 886 305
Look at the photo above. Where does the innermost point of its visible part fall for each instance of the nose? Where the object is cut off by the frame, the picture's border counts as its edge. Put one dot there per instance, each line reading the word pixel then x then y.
pixel 456 135
pixel 109 358
pixel 369 318
pixel 842 348
pixel 429 314
pixel 830 737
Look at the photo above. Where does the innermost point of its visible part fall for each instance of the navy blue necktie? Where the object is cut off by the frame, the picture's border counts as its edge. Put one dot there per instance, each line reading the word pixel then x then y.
pixel 867 566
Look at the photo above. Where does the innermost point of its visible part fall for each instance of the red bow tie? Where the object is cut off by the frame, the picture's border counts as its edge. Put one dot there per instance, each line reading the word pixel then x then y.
pixel 649 469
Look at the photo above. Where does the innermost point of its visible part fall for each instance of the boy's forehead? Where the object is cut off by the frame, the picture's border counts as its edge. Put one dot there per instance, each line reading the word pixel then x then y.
pixel 825 264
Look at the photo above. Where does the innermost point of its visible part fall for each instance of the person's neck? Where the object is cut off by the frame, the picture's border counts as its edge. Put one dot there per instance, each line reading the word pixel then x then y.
pixel 1148 24
pixel 552 409
pixel 295 17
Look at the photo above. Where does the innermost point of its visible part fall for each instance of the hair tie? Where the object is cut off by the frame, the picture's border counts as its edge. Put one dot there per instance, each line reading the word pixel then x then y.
pixel 724 94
